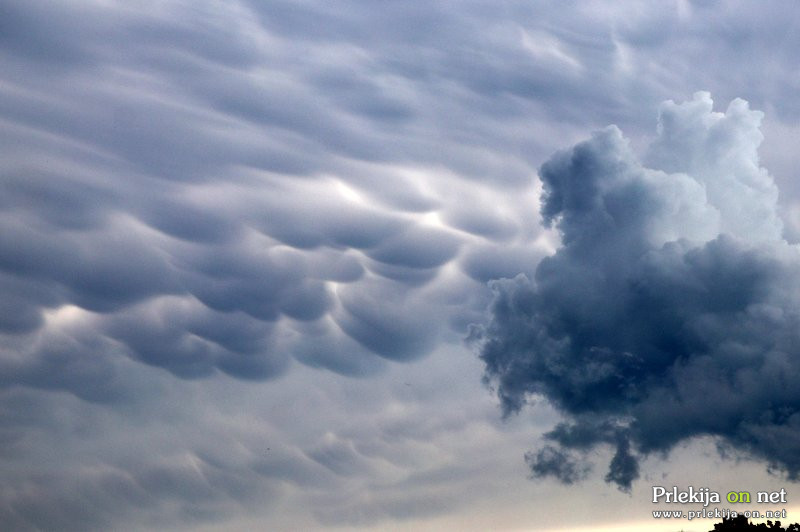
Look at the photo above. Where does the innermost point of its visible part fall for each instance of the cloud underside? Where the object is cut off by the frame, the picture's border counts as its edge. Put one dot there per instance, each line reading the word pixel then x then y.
pixel 205 204
pixel 211 212
pixel 671 309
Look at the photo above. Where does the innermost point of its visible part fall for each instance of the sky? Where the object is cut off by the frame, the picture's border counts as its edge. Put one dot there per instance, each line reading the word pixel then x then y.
pixel 463 265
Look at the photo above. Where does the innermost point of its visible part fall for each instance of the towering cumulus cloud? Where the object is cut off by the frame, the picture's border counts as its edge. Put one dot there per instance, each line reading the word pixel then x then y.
pixel 671 309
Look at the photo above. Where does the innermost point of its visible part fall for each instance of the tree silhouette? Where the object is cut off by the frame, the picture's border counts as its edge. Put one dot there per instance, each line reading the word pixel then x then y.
pixel 741 523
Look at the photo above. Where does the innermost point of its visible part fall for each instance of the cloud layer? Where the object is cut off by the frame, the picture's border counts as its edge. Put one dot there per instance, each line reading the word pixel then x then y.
pixel 241 243
pixel 222 196
pixel 671 308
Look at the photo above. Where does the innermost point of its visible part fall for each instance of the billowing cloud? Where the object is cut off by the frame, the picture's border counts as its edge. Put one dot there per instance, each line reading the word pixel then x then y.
pixel 671 308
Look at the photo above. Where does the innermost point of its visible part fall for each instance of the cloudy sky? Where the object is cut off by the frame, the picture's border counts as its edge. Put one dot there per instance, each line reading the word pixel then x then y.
pixel 440 265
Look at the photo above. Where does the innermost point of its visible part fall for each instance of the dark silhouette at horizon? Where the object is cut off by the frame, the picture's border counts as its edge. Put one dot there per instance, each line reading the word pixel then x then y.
pixel 742 523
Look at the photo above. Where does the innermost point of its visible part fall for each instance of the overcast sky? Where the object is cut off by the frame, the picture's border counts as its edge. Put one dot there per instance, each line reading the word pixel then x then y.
pixel 419 265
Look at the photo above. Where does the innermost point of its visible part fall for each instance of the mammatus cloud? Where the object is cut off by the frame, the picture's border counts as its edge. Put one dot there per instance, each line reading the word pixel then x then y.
pixel 211 211
pixel 222 199
pixel 671 308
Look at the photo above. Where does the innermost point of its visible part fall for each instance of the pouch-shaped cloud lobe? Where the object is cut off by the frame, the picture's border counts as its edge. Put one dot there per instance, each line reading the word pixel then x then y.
pixel 671 309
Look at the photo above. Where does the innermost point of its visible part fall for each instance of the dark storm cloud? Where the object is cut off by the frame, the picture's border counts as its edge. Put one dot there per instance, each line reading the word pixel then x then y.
pixel 670 310
pixel 555 462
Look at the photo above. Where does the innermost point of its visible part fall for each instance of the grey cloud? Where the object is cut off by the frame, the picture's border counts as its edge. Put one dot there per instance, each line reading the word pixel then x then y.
pixel 416 248
pixel 493 261
pixel 192 340
pixel 395 190
pixel 21 306
pixel 100 273
pixel 339 456
pixel 401 331
pixel 72 356
pixel 324 344
pixel 326 219
pixel 46 31
pixel 553 461
pixel 191 490
pixel 57 200
pixel 365 452
pixel 483 220
pixel 669 311
pixel 409 275
pixel 181 219
pixel 72 465
pixel 624 467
